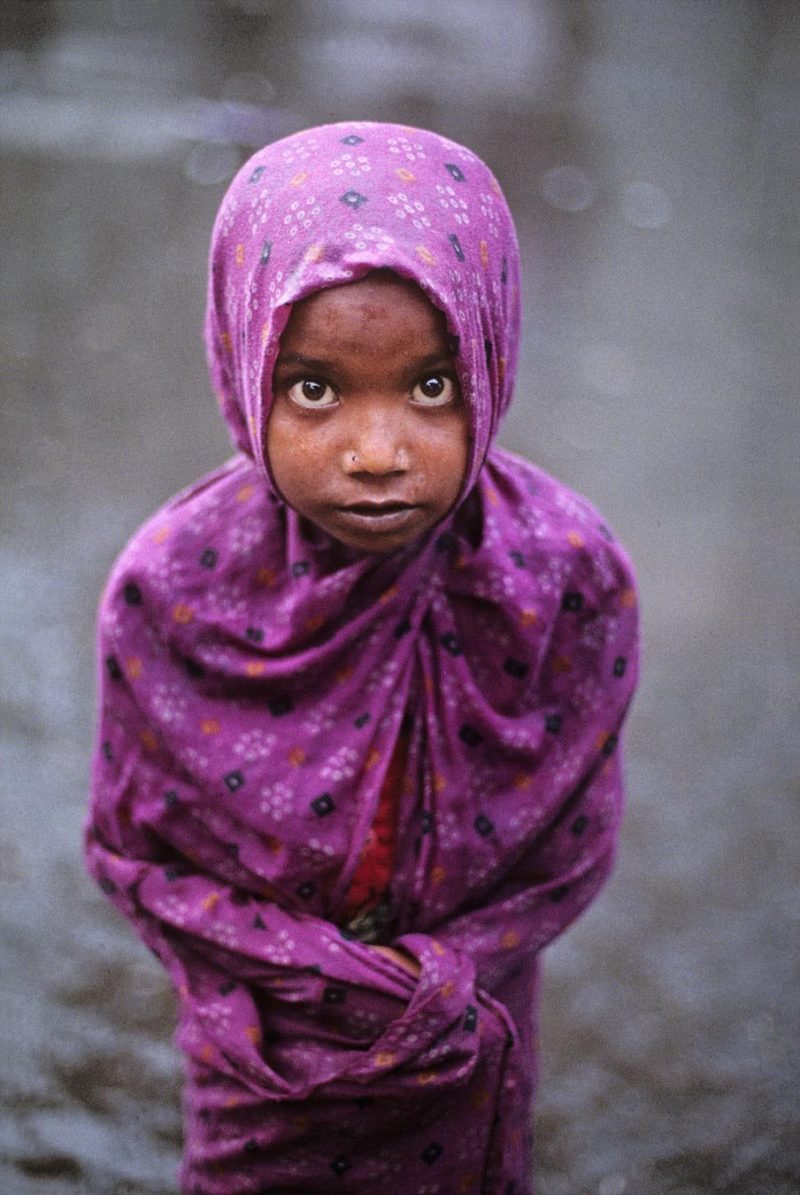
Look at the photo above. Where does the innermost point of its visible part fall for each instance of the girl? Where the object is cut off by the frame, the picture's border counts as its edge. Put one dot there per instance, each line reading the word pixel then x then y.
pixel 361 692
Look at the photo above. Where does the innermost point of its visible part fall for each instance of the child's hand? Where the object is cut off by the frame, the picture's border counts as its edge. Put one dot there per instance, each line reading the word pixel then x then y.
pixel 406 961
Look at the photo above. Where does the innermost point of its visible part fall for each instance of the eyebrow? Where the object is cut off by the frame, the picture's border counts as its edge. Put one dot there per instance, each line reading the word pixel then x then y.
pixel 315 364
pixel 311 363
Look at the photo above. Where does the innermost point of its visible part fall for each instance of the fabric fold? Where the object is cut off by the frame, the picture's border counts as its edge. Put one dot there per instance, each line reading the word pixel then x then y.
pixel 256 676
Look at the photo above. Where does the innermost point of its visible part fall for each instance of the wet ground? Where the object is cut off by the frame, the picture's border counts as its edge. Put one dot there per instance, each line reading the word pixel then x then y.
pixel 652 155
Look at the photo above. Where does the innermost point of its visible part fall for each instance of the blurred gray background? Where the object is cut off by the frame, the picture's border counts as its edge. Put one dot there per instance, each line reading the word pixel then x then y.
pixel 650 150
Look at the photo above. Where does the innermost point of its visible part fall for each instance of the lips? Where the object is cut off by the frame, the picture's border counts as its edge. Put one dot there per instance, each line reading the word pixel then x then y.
pixel 378 516
pixel 377 510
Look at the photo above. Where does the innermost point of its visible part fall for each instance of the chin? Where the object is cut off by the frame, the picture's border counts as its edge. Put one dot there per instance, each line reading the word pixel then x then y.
pixel 378 545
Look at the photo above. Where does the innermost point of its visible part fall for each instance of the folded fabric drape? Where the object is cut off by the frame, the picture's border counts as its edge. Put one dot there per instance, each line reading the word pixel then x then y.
pixel 256 676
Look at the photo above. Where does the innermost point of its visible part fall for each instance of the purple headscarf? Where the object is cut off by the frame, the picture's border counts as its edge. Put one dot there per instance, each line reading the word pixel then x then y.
pixel 255 677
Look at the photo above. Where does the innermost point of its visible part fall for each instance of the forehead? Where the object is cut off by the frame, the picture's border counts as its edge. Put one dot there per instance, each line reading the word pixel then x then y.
pixel 382 305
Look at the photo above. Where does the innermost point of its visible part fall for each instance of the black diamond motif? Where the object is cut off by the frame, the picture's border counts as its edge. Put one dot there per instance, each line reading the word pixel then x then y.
pixel 209 558
pixel 579 825
pixel 323 805
pixel 352 139
pixel 572 602
pixel 471 1018
pixel 488 349
pixel 353 199
pixel 132 594
pixel 193 669
pixel 483 825
pixel 518 558
pixel 233 780
pixel 402 628
pixel 451 644
pixel 334 995
pixel 427 821
pixel 259 922
pixel 171 799
pixel 559 893
pixel 341 1165
pixel 552 723
pixel 456 171
pixel 256 175
pixel 453 345
pixel 456 243
pixel 226 988
pixel 469 735
pixel 254 634
pixel 108 754
pixel 107 886
pixel 610 744
pixel 306 890
pixel 620 664
pixel 266 250
pixel 445 542
pixel 114 670
pixel 361 721
pixel 279 706
pixel 516 668
pixel 300 568
pixel 431 1152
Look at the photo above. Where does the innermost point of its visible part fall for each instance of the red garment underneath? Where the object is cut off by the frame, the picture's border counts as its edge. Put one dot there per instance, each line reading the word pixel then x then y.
pixel 373 874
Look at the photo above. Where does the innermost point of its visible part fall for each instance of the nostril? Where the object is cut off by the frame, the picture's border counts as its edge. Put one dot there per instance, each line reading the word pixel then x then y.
pixel 376 456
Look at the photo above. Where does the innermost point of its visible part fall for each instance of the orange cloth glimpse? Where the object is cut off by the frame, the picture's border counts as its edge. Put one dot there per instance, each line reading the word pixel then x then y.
pixel 373 873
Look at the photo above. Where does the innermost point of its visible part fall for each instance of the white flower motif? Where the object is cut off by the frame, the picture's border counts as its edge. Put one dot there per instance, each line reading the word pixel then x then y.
pixel 244 535
pixel 280 948
pixel 341 765
pixel 277 801
pixel 169 702
pixel 253 745
pixel 193 759
pixel 173 910
pixel 224 933
pixel 315 854
pixel 320 719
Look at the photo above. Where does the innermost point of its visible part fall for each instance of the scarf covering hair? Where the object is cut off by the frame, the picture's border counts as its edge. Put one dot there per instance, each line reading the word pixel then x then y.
pixel 254 679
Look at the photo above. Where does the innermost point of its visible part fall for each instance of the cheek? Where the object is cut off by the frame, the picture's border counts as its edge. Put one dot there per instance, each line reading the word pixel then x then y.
pixel 448 455
pixel 302 459
pixel 289 452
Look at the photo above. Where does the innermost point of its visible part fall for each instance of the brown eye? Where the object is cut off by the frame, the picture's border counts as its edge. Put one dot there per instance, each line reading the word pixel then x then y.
pixel 434 391
pixel 309 393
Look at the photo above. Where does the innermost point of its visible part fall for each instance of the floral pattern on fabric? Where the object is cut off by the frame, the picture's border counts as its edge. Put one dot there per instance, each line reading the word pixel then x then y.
pixel 256 678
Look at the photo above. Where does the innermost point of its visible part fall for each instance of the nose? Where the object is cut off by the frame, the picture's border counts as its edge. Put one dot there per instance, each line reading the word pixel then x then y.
pixel 376 444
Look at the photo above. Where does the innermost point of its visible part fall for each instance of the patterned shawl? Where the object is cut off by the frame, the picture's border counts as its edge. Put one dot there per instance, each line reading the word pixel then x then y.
pixel 254 678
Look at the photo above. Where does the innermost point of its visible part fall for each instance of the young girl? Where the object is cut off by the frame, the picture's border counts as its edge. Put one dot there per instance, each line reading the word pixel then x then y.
pixel 361 692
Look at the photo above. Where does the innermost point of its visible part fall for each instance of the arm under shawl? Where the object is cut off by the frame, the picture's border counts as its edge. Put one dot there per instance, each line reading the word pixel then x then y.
pixel 240 958
pixel 340 1016
pixel 573 796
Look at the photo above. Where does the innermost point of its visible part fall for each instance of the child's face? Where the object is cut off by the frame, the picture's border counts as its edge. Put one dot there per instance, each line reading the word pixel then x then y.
pixel 368 435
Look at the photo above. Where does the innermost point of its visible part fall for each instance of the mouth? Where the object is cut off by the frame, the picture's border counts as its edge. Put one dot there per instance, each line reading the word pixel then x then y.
pixel 379 515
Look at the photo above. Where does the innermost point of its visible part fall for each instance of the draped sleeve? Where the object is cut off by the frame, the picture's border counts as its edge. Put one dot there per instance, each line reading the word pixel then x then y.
pixel 555 812
pixel 242 956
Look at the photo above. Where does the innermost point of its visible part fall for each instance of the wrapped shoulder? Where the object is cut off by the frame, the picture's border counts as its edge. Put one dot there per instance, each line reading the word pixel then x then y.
pixel 555 525
pixel 206 532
